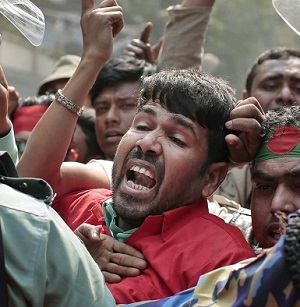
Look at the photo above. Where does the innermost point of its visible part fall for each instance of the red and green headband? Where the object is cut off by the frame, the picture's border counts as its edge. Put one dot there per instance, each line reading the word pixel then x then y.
pixel 282 143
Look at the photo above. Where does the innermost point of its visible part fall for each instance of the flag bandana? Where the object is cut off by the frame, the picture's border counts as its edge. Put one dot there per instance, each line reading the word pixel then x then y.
pixel 282 143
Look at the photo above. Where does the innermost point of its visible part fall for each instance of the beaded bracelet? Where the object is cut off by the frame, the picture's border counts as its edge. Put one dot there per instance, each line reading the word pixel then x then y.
pixel 72 106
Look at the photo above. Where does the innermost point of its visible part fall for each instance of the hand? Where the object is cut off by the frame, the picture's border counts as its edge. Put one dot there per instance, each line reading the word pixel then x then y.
pixel 13 100
pixel 4 96
pixel 141 48
pixel 100 24
pixel 115 259
pixel 246 119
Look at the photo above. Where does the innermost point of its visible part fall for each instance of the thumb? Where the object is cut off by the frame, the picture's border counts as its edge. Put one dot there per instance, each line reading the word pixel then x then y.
pixel 87 231
pixel 145 35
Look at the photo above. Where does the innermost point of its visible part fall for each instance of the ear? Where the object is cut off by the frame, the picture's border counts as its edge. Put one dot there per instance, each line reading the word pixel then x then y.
pixel 245 94
pixel 215 174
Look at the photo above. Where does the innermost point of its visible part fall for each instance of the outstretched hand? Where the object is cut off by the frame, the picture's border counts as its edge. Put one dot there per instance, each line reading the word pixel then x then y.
pixel 141 47
pixel 100 24
pixel 245 119
pixel 115 259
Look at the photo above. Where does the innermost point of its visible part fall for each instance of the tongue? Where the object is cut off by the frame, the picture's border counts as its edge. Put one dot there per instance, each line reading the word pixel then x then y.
pixel 144 180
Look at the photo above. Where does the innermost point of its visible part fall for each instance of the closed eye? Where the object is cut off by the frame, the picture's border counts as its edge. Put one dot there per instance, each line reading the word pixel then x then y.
pixel 177 141
pixel 262 187
pixel 142 128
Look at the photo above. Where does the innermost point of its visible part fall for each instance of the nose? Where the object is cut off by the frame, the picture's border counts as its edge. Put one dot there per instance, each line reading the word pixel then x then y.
pixel 286 96
pixel 113 115
pixel 283 200
pixel 150 143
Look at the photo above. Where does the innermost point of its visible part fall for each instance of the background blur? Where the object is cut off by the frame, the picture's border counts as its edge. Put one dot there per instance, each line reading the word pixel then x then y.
pixel 239 30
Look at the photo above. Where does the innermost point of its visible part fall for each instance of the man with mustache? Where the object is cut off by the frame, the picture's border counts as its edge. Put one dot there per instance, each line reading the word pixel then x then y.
pixel 276 185
pixel 274 80
pixel 168 162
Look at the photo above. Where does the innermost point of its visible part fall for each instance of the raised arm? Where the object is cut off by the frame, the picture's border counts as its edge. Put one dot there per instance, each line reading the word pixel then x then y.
pixel 184 34
pixel 49 141
pixel 187 26
pixel 7 138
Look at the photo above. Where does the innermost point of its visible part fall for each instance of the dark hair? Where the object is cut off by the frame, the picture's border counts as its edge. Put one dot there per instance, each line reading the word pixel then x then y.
pixel 276 53
pixel 118 70
pixel 46 99
pixel 87 123
pixel 276 118
pixel 281 117
pixel 197 95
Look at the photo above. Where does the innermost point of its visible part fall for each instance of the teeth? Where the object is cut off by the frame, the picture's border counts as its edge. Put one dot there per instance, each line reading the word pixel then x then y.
pixel 141 170
pixel 136 186
pixel 276 235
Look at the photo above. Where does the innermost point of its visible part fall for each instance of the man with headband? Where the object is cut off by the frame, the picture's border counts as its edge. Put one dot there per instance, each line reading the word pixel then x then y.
pixel 276 175
pixel 272 279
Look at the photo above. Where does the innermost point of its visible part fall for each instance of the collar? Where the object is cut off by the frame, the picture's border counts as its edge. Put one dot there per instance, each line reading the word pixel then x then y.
pixel 110 220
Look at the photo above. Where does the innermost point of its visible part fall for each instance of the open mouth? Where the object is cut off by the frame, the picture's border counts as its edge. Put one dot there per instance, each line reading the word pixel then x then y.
pixel 275 231
pixel 275 235
pixel 139 178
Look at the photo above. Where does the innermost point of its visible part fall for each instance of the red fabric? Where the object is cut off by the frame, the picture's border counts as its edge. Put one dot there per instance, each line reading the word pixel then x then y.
pixel 25 118
pixel 76 208
pixel 291 136
pixel 179 245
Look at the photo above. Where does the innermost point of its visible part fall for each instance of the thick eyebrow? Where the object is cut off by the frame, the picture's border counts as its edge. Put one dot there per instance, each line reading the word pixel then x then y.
pixel 176 118
pixel 258 174
pixel 279 76
pixel 272 77
pixel 294 174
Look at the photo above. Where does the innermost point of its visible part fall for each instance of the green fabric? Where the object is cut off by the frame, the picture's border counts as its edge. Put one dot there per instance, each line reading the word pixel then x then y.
pixel 264 152
pixel 46 263
pixel 110 220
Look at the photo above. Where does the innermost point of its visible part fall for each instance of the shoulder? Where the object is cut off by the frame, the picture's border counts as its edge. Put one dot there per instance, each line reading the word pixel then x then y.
pixel 102 165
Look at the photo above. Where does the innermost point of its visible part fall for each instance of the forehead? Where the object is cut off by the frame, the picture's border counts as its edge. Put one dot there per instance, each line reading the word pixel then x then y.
pixel 122 89
pixel 164 117
pixel 278 168
pixel 280 68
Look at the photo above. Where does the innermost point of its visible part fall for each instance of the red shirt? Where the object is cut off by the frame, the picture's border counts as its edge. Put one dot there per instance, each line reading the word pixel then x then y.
pixel 179 245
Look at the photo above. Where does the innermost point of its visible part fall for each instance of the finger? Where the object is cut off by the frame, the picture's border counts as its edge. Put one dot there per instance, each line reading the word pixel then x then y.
pixel 250 125
pixel 136 51
pixel 145 35
pixel 138 43
pixel 88 231
pixel 142 50
pixel 3 80
pixel 116 15
pixel 118 23
pixel 249 101
pixel 126 249
pixel 128 53
pixel 128 261
pixel 111 278
pixel 86 5
pixel 238 153
pixel 123 271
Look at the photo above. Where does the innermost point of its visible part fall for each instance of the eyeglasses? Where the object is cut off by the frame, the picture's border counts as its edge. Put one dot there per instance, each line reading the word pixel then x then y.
pixel 21 143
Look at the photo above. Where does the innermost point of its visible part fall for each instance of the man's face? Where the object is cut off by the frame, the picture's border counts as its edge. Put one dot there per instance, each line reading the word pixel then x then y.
pixel 158 164
pixel 277 83
pixel 115 108
pixel 55 85
pixel 276 187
